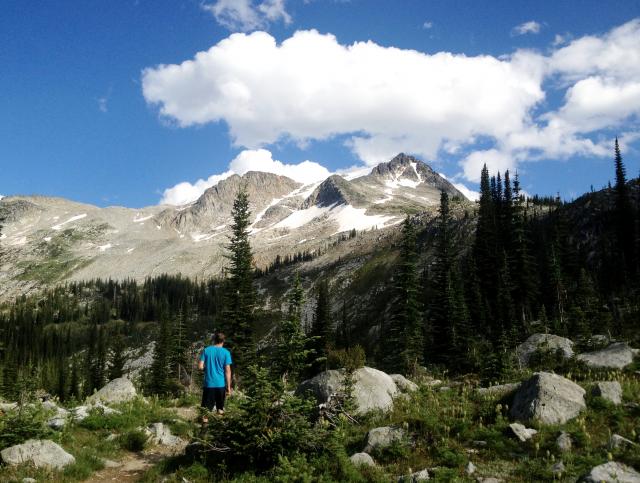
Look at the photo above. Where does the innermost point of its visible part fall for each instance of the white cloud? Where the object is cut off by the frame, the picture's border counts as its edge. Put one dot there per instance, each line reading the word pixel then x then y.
pixel 305 172
pixel 246 15
pixel 427 25
pixel 186 192
pixel 103 105
pixel 530 27
pixel 312 87
pixel 386 100
pixel 262 160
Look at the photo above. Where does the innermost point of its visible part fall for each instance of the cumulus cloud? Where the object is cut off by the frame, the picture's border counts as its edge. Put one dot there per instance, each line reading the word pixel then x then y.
pixel 530 27
pixel 305 172
pixel 427 25
pixel 384 100
pixel 246 15
pixel 312 87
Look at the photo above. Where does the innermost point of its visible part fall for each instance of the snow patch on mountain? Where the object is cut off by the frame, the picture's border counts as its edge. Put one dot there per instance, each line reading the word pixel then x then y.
pixel 302 217
pixel 350 218
pixel 72 219
pixel 138 220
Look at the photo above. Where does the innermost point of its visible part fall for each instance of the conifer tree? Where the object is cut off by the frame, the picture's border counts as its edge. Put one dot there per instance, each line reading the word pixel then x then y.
pixel 405 329
pixel 292 349
pixel 179 346
pixel 117 360
pixel 74 382
pixel 61 388
pixel 623 215
pixel 321 330
pixel 240 294
pixel 160 368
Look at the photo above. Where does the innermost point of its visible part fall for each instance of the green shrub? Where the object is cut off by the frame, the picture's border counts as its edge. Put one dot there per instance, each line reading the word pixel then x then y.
pixel 135 440
pixel 25 423
pixel 266 426
pixel 351 359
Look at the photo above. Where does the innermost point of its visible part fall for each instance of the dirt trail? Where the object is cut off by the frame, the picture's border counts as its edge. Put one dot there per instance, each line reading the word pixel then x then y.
pixel 134 465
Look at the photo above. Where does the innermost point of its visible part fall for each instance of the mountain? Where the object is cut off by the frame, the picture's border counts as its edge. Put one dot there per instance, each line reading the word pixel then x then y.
pixel 50 240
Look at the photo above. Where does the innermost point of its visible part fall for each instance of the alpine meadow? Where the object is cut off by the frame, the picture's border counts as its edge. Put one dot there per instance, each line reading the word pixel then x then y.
pixel 417 257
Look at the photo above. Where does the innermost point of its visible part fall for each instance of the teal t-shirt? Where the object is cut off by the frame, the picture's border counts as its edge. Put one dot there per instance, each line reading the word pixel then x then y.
pixel 215 359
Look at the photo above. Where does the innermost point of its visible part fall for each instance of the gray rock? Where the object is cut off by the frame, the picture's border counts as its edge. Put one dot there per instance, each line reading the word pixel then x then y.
pixel 116 391
pixel 620 442
pixel 373 389
pixel 489 480
pixel 380 438
pixel 433 382
pixel 404 384
pixel 616 356
pixel 413 477
pixel 57 423
pixel 608 390
pixel 564 442
pixel 544 342
pixel 548 399
pixel 41 453
pixel 80 413
pixel 6 407
pixel 521 432
pixel 499 390
pixel 160 434
pixel 29 480
pixel 470 468
pixel 558 468
pixel 612 472
pixel 362 459
pixel 110 463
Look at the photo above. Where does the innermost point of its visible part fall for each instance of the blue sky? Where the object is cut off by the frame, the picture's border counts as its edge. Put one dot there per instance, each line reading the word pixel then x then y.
pixel 99 107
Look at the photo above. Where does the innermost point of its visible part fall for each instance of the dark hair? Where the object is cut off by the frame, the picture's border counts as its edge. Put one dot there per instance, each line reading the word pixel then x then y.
pixel 218 338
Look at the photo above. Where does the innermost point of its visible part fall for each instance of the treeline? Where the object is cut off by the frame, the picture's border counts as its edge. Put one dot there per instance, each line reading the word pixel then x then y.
pixel 71 339
pixel 531 267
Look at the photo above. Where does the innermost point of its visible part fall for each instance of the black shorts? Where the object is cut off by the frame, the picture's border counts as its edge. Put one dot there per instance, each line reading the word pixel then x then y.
pixel 213 396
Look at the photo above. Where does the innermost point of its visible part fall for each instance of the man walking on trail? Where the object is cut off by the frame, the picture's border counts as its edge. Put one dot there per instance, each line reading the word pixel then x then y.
pixel 215 361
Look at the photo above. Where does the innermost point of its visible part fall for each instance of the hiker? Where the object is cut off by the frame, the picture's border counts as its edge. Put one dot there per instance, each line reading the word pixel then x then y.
pixel 215 361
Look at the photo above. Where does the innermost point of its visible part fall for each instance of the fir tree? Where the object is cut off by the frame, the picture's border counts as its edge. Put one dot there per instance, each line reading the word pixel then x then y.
pixel 241 295
pixel 292 349
pixel 624 215
pixel 405 331
pixel 320 330
pixel 117 360
pixel 161 366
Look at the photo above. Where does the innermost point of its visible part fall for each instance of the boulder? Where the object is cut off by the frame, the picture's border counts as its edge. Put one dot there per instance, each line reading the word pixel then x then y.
pixel 470 468
pixel 404 384
pixel 80 412
pixel 160 434
pixel 620 442
pixel 373 389
pixel 57 423
pixel 548 399
pixel 413 477
pixel 41 453
pixel 615 356
pixel 544 342
pixel 490 479
pixel 380 438
pixel 564 442
pixel 608 390
pixel 6 407
pixel 499 390
pixel 612 472
pixel 558 468
pixel 29 480
pixel 362 459
pixel 116 391
pixel 521 432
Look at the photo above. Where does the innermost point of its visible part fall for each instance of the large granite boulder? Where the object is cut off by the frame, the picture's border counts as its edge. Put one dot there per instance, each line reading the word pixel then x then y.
pixel 612 472
pixel 381 438
pixel 544 343
pixel 41 453
pixel 116 391
pixel 548 399
pixel 373 389
pixel 362 459
pixel 608 390
pixel 617 356
pixel 404 384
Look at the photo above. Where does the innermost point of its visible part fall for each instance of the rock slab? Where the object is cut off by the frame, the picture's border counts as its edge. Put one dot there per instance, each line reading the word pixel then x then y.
pixel 613 472
pixel 616 356
pixel 609 390
pixel 380 438
pixel 521 432
pixel 41 453
pixel 564 442
pixel 117 391
pixel 544 342
pixel 413 477
pixel 404 384
pixel 548 399
pixel 362 459
pixel 373 389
